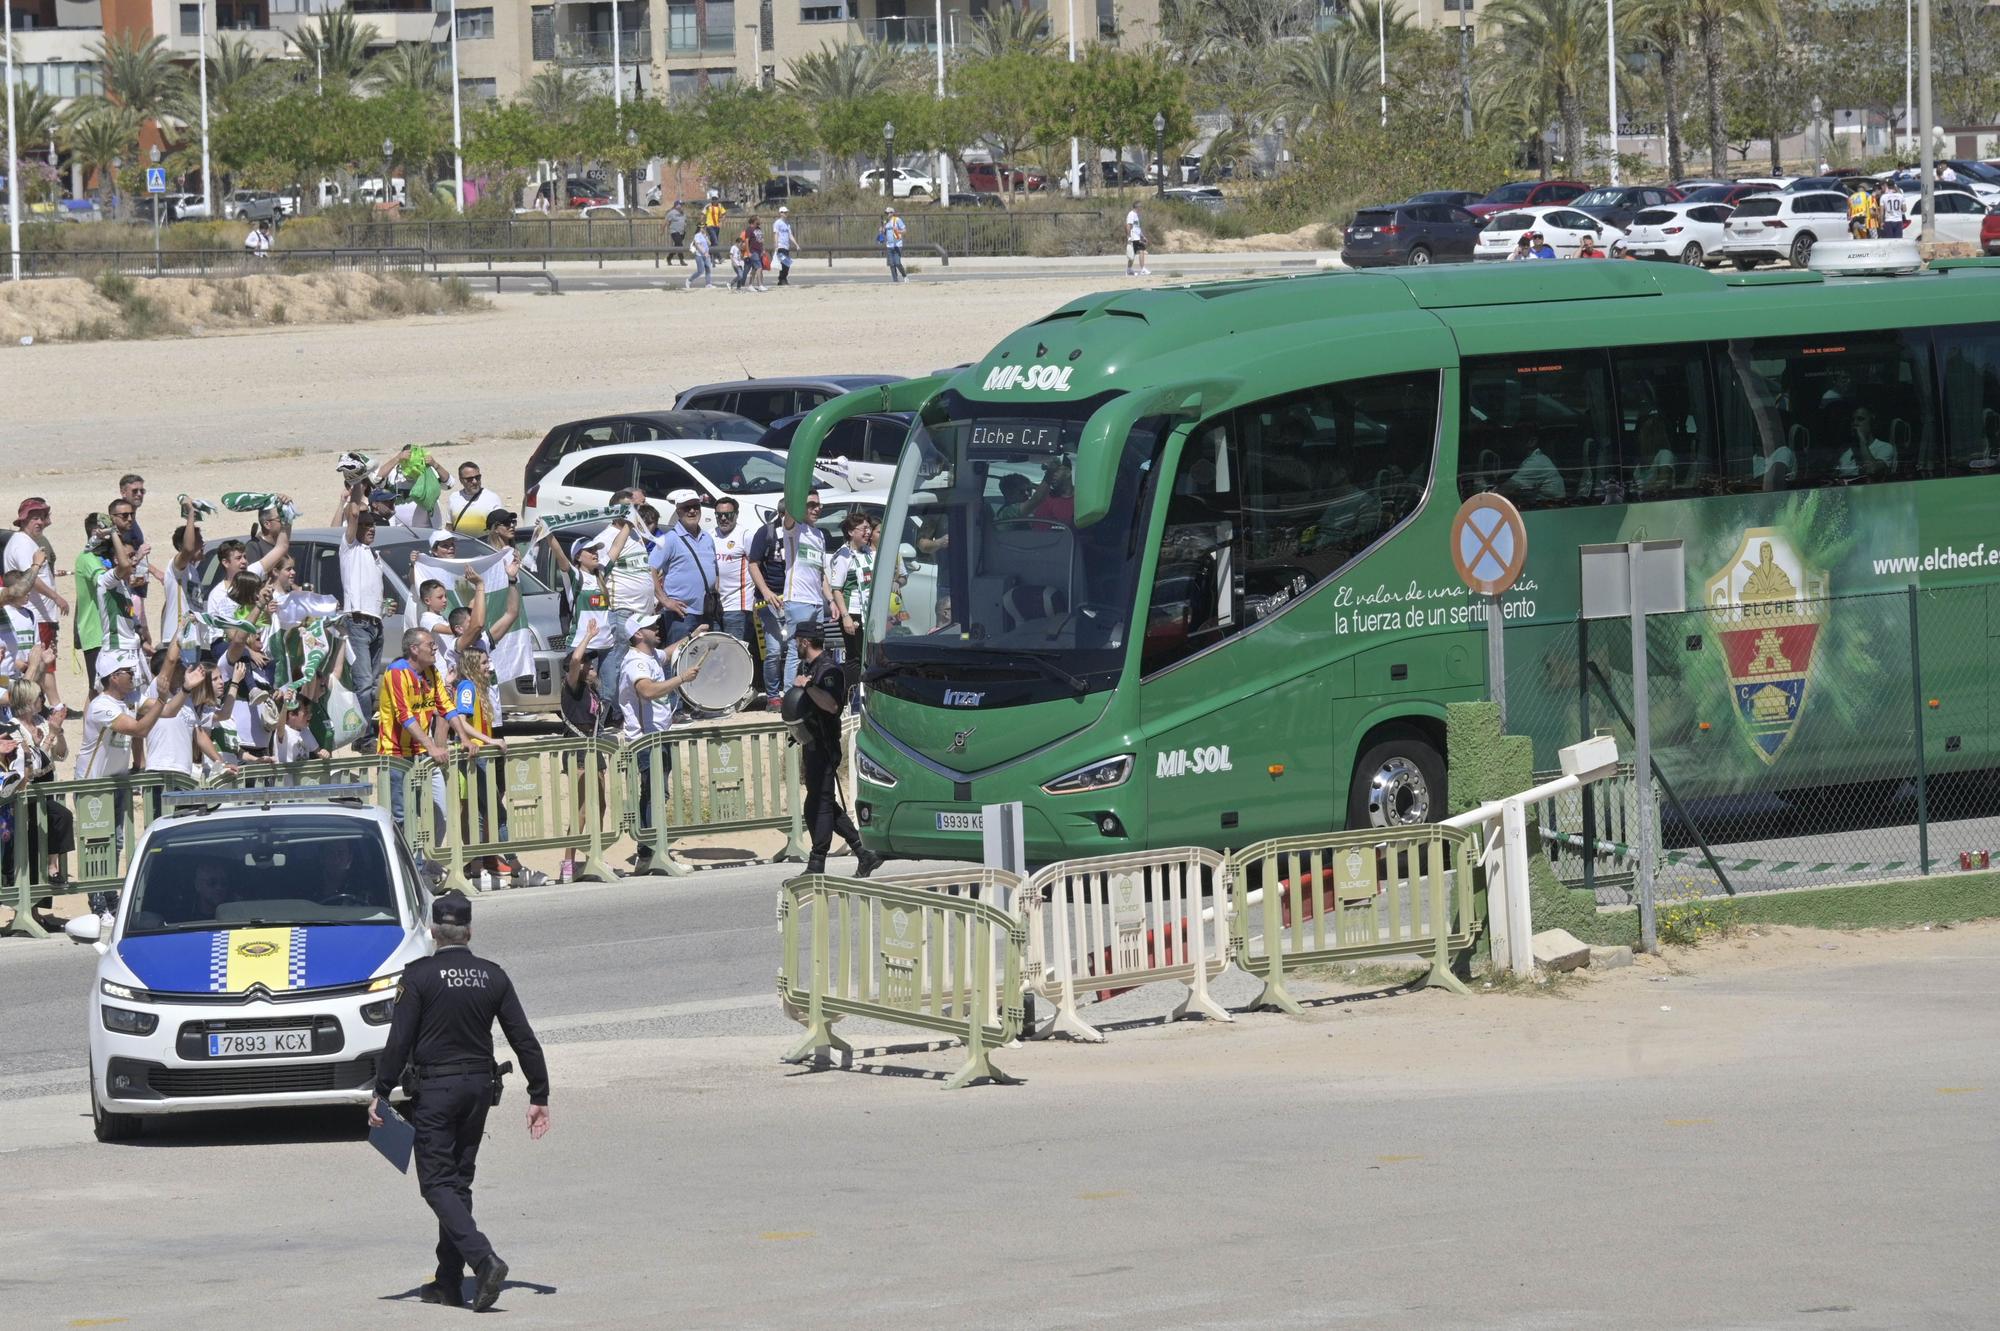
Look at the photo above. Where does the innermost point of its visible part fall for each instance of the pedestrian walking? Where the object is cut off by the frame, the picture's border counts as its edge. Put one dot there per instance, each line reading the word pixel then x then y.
pixel 781 232
pixel 704 266
pixel 443 1033
pixel 257 245
pixel 1135 245
pixel 816 709
pixel 677 228
pixel 711 218
pixel 753 253
pixel 890 237
pixel 737 271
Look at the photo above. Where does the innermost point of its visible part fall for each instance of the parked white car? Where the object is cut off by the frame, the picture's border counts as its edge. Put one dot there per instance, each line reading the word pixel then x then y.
pixel 1960 215
pixel 902 183
pixel 251 961
pixel 1688 233
pixel 753 476
pixel 1783 227
pixel 1562 226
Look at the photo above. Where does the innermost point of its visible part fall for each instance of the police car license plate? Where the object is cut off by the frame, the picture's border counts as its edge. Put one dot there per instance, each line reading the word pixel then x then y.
pixel 961 822
pixel 249 1044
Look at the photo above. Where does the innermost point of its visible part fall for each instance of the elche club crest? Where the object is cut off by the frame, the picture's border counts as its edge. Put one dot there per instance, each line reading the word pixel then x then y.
pixel 1767 608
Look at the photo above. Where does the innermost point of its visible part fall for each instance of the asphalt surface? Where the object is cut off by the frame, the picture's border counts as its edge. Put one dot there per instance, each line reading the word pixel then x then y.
pixel 1810 1147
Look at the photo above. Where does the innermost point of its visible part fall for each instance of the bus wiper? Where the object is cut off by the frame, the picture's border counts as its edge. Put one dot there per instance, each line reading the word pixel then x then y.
pixel 1055 672
pixel 920 669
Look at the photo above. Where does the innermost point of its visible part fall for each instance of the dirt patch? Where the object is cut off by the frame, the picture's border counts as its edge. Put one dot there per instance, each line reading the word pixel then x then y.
pixel 69 309
pixel 1194 242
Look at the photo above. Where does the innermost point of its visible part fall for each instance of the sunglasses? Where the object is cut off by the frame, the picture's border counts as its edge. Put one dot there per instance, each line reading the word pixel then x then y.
pixel 470 479
pixel 126 516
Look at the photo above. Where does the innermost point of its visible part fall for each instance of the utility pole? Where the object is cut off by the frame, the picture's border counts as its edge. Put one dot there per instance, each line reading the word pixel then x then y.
pixel 1611 73
pixel 1465 65
pixel 617 87
pixel 13 152
pixel 1075 176
pixel 1924 118
pixel 457 122
pixel 207 182
pixel 1909 66
pixel 1382 56
pixel 944 161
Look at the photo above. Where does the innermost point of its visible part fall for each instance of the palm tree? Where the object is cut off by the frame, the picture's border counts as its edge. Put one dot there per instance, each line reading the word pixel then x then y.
pixel 238 74
pixel 1010 29
pixel 411 67
pixel 100 134
pixel 141 76
pixel 842 73
pixel 1325 81
pixel 557 95
pixel 1552 46
pixel 335 51
pixel 37 121
pixel 1660 29
pixel 1198 29
pixel 1713 22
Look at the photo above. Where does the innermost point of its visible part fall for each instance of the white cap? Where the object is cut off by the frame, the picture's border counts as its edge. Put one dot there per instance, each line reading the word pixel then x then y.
pixel 438 538
pixel 783 209
pixel 675 498
pixel 888 210
pixel 110 663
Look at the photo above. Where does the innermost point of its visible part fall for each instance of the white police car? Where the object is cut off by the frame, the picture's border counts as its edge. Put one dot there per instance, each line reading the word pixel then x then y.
pixel 253 958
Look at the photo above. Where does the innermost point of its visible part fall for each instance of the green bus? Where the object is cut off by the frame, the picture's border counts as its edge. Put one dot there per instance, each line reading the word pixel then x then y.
pixel 1172 565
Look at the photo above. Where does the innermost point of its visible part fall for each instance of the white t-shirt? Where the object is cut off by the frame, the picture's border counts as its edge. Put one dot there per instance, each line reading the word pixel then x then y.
pixel 732 569
pixel 1879 450
pixel 291 746
pixel 631 576
pixel 805 566
pixel 221 604
pixel 21 552
pixel 17 638
pixel 643 717
pixel 1134 234
pixel 468 516
pixel 170 743
pixel 409 515
pixel 360 579
pixel 447 643
pixel 116 611
pixel 1895 207
pixel 105 752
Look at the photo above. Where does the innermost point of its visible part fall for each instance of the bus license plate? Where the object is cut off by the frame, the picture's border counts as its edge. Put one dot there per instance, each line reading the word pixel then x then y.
pixel 249 1044
pixel 961 822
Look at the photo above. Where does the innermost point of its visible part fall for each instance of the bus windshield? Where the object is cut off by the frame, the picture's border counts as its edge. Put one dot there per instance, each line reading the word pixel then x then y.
pixel 996 584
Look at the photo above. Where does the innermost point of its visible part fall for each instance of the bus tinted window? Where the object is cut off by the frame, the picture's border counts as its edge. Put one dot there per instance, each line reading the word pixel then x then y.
pixel 1537 428
pixel 1831 409
pixel 1970 360
pixel 1278 496
pixel 1666 436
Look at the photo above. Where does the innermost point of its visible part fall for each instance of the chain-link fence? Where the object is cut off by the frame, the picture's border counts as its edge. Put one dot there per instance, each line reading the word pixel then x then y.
pixel 1795 742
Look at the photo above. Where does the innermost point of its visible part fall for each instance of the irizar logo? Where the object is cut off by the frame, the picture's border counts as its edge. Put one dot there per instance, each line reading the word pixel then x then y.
pixel 962 698
pixel 1192 762
pixel 1042 378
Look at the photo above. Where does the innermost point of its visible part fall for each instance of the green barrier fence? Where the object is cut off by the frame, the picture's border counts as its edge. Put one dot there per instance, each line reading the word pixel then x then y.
pixel 109 814
pixel 372 770
pixel 722 779
pixel 937 952
pixel 545 794
pixel 1347 896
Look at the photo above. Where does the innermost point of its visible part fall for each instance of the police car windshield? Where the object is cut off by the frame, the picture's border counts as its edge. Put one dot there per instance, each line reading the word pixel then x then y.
pixel 233 873
pixel 1014 585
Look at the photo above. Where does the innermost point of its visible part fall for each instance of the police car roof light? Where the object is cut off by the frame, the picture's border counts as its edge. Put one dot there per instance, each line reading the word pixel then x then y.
pixel 192 801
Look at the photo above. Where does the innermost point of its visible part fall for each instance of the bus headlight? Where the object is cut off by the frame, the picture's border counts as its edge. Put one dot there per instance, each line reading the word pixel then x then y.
pixel 872 771
pixel 1100 775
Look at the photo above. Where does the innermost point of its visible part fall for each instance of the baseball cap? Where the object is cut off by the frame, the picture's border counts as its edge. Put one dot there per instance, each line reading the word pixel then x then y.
pixel 451 908
pixel 887 211
pixel 577 547
pixel 783 209
pixel 502 517
pixel 811 631
pixel 438 538
pixel 676 498
pixel 30 507
pixel 382 496
pixel 110 663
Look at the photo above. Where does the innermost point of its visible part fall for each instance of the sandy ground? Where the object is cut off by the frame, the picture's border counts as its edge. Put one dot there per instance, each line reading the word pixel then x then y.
pixel 271 409
pixel 1786 1130
pixel 1306 238
pixel 65 308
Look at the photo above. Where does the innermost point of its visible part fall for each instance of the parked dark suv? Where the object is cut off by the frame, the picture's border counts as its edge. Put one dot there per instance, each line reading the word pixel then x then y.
pixel 1416 233
pixel 768 400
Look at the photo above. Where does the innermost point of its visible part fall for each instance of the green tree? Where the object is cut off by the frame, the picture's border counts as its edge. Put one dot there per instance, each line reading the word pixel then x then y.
pixel 513 136
pixel 100 135
pixel 1327 80
pixel 1011 96
pixel 1549 49
pixel 333 52
pixel 1011 29
pixel 419 67
pixel 238 73
pixel 1714 22
pixel 1658 30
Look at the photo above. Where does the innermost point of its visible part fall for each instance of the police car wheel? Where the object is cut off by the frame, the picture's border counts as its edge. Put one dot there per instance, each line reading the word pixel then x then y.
pixel 109 1127
pixel 1398 782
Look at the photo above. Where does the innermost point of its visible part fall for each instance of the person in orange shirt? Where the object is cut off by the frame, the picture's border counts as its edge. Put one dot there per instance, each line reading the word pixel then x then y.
pixel 409 720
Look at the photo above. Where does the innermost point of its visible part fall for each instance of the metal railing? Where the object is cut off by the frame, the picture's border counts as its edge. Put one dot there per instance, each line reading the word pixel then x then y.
pixel 962 232
pixel 206 263
pixel 659 254
pixel 596 48
pixel 912 31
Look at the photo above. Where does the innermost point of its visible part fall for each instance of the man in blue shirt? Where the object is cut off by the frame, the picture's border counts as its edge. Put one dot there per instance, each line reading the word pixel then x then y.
pixel 1539 247
pixel 683 562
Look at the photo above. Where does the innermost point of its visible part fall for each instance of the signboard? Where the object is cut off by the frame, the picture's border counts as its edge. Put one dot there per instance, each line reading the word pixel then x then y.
pixel 156 180
pixel 1489 544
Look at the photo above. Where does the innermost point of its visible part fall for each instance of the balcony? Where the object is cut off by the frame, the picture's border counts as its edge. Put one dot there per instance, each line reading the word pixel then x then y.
pixel 912 33
pixel 596 48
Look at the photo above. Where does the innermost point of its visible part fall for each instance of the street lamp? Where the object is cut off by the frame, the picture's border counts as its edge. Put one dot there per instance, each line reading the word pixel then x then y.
pixel 632 142
pixel 457 118
pixel 117 195
pixel 388 156
pixel 1160 154
pixel 888 154
pixel 13 156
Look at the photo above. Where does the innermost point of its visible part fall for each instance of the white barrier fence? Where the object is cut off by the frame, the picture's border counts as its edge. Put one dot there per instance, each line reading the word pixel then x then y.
pixel 1120 921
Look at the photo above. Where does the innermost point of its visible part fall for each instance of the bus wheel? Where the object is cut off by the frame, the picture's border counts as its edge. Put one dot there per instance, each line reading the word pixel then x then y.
pixel 1398 781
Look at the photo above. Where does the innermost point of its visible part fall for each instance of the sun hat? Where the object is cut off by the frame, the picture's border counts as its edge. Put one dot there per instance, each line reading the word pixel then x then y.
pixel 30 507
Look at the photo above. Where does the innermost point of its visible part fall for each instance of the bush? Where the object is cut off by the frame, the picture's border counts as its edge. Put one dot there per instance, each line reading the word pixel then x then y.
pixel 1366 164
pixel 1688 919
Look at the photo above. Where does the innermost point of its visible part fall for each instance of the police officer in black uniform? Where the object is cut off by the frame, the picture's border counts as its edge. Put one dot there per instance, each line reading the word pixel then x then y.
pixel 445 1009
pixel 824 691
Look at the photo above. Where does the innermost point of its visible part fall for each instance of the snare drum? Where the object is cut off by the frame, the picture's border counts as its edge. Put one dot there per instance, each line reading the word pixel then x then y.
pixel 728 673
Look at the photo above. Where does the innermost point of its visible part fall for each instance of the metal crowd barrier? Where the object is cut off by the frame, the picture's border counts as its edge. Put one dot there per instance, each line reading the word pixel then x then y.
pixel 1123 921
pixel 739 779
pixel 369 769
pixel 109 814
pixel 1346 896
pixel 535 796
pixel 1585 832
pixel 940 953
